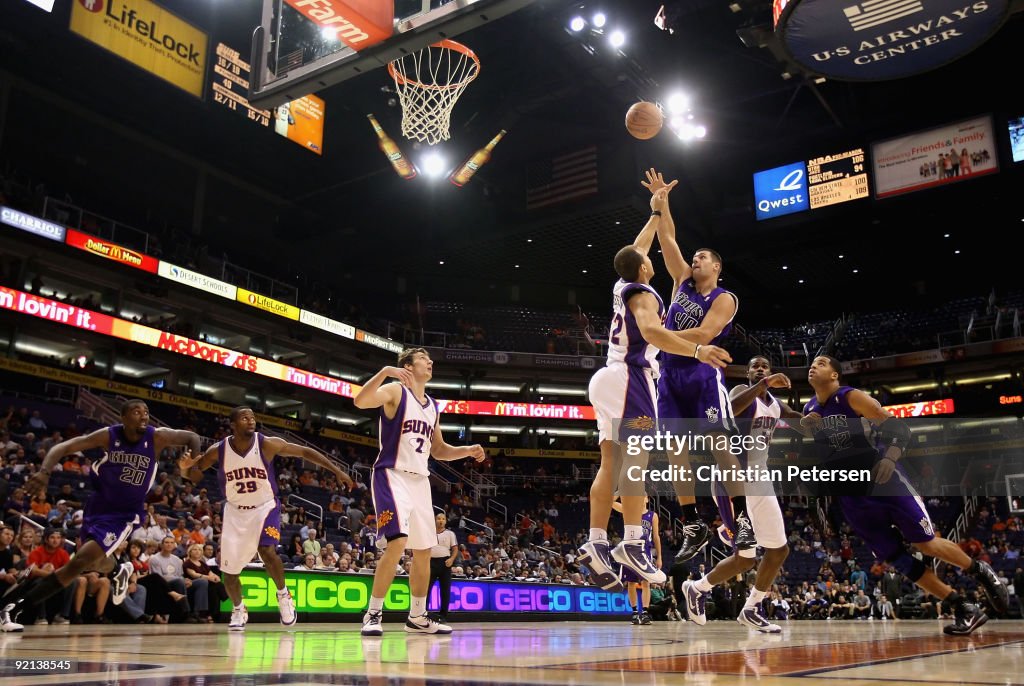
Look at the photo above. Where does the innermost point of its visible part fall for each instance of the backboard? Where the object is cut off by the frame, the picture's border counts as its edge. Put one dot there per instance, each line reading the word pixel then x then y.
pixel 304 46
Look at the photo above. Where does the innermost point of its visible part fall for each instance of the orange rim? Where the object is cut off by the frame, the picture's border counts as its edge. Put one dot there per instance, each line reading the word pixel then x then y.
pixel 447 44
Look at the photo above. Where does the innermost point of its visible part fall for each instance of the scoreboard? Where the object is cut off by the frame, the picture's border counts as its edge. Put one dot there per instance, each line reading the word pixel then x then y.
pixel 301 121
pixel 832 179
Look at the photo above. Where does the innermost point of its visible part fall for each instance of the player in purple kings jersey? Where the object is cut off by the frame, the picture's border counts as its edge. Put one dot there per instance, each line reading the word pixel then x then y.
pixel 892 514
pixel 701 312
pixel 624 399
pixel 121 480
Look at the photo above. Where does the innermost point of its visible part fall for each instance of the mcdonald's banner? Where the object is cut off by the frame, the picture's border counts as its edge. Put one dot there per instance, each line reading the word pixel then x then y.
pixel 146 35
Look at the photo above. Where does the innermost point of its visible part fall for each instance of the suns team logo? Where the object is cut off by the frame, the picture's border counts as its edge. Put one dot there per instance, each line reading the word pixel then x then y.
pixel 641 423
pixel 383 518
pixel 273 533
pixel 712 414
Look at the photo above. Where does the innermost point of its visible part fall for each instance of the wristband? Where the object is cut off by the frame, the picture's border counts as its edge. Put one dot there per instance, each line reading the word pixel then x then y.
pixel 696 351
pixel 655 213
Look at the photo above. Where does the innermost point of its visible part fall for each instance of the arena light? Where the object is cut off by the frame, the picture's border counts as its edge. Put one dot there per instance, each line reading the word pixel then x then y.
pixel 447 385
pixel 558 390
pixel 678 103
pixel 496 387
pixel 497 429
pixel 329 33
pixel 600 20
pixel 577 24
pixel 910 388
pixel 562 432
pixel 617 39
pixel 700 131
pixel 434 165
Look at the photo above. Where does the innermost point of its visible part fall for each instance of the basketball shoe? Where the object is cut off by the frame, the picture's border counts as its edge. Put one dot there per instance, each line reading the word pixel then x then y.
pixel 597 557
pixel 425 625
pixel 695 602
pixel 120 584
pixel 968 618
pixel 752 617
pixel 633 554
pixel 286 606
pixel 994 588
pixel 744 537
pixel 239 616
pixel 373 624
pixel 695 537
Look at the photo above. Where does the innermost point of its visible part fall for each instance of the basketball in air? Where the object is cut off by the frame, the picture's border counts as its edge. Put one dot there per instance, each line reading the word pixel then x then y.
pixel 644 120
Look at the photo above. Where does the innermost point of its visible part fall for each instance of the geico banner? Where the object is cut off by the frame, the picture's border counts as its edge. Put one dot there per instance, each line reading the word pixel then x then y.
pixel 146 35
pixel 197 280
pixel 268 304
pixel 327 324
pixel 339 593
pixel 70 315
pixel 26 222
pixel 512 409
pixel 111 251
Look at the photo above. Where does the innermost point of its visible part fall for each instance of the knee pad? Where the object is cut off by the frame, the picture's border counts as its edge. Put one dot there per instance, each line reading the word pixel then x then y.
pixel 909 566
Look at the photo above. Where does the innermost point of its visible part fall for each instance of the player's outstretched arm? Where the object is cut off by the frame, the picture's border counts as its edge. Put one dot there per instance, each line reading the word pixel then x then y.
pixel 97 439
pixel 891 428
pixel 165 437
pixel 440 450
pixel 675 263
pixel 273 446
pixel 742 396
pixel 192 465
pixel 645 310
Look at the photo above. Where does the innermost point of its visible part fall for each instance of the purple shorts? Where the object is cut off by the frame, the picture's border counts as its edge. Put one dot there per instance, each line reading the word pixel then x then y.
pixel 695 392
pixel 108 530
pixel 887 523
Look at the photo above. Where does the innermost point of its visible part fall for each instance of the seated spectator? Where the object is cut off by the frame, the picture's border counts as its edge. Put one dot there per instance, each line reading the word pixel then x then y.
pixel 884 609
pixel 861 605
pixel 207 590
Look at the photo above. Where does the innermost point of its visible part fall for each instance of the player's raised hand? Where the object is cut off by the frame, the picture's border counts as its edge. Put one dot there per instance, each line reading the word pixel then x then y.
pixel 777 380
pixel 400 373
pixel 655 181
pixel 344 478
pixel 659 201
pixel 36 485
pixel 476 452
pixel 883 470
pixel 713 355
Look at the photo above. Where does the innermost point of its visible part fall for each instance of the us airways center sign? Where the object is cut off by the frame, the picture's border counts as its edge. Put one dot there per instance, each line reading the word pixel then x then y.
pixel 876 40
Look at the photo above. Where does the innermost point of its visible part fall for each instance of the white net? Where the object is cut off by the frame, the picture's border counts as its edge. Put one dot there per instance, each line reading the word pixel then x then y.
pixel 429 82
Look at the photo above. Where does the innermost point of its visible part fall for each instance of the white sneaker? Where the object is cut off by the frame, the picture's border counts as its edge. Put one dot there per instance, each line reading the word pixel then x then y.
pixel 120 583
pixel 239 616
pixel 287 607
pixel 8 625
pixel 373 624
pixel 425 625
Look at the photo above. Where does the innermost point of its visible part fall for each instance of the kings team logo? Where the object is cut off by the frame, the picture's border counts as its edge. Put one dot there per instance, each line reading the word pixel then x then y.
pixel 712 414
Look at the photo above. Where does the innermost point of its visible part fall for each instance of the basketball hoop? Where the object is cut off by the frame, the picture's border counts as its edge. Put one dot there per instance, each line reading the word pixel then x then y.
pixel 429 82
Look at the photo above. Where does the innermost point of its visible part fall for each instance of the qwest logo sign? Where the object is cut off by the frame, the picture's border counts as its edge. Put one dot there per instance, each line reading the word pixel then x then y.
pixel 780 191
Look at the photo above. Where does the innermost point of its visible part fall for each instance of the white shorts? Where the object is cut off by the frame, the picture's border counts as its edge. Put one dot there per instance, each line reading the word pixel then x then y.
pixel 404 507
pixel 245 530
pixel 625 401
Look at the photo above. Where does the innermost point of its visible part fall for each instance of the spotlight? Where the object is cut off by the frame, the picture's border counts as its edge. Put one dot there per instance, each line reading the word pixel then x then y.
pixel 600 19
pixel 329 33
pixel 577 24
pixel 677 123
pixel 433 164
pixel 678 103
pixel 700 131
pixel 617 39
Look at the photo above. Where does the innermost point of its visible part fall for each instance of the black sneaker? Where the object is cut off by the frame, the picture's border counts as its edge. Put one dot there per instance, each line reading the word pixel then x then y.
pixel 695 537
pixel 744 536
pixel 635 620
pixel 645 618
pixel 972 618
pixel 994 588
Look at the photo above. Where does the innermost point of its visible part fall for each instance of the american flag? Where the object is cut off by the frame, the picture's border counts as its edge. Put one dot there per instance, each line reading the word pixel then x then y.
pixel 565 177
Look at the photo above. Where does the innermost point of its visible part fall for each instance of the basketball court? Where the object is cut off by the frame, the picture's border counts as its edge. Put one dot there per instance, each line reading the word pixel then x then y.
pixel 876 653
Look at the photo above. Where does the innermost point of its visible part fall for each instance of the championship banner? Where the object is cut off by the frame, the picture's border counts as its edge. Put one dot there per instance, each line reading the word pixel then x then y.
pixel 146 35
pixel 112 251
pixel 282 309
pixel 936 157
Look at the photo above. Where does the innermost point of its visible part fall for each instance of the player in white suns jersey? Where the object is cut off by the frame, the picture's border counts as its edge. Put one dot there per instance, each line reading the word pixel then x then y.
pixel 624 397
pixel 758 413
pixel 252 514
pixel 410 432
